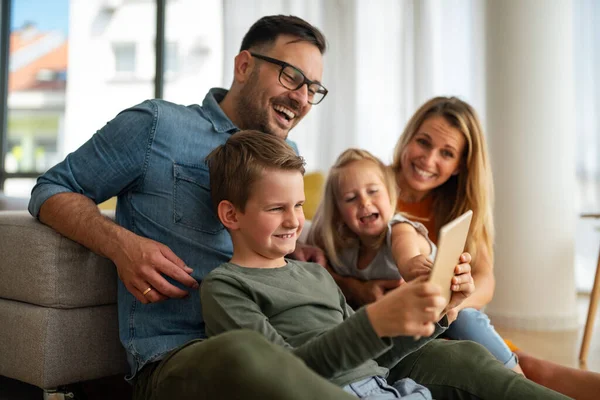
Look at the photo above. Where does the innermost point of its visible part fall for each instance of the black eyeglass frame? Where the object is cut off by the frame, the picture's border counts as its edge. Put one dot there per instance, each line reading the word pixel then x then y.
pixel 306 81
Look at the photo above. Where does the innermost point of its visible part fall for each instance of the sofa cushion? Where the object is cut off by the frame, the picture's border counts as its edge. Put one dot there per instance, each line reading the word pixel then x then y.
pixel 49 347
pixel 40 266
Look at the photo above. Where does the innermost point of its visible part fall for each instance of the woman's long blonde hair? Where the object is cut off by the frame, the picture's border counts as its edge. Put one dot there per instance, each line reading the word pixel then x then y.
pixel 472 188
pixel 328 231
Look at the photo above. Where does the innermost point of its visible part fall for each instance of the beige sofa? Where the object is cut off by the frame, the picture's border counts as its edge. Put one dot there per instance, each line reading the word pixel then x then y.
pixel 58 314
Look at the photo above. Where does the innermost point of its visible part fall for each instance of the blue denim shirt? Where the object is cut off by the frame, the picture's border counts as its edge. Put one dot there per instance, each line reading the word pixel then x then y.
pixel 152 157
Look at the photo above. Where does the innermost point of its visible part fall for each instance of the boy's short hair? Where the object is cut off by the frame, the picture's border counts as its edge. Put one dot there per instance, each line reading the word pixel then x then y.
pixel 236 165
pixel 266 30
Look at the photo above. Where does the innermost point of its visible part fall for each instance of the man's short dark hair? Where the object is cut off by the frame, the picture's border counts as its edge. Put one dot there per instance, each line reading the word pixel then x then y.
pixel 236 165
pixel 266 30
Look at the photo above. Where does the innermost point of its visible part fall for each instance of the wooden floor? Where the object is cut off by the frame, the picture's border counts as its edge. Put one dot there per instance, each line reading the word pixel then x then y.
pixel 560 347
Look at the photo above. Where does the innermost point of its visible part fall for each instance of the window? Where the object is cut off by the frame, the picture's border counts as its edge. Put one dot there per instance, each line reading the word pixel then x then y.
pixel 89 43
pixel 36 92
pixel 586 135
pixel 44 43
pixel 124 58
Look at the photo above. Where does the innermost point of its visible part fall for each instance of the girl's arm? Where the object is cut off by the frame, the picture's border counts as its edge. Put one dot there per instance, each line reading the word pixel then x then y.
pixel 357 292
pixel 483 275
pixel 408 251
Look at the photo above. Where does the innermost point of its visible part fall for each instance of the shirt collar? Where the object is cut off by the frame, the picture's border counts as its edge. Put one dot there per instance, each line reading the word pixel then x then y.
pixel 214 113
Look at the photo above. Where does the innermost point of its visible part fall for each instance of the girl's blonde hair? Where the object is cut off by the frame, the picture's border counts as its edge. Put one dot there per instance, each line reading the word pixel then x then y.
pixel 472 188
pixel 328 231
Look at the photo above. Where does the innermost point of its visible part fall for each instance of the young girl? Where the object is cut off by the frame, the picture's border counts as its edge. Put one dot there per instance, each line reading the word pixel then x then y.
pixel 363 237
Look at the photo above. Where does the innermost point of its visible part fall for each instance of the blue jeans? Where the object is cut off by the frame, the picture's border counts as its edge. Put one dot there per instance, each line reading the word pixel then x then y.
pixel 475 325
pixel 376 388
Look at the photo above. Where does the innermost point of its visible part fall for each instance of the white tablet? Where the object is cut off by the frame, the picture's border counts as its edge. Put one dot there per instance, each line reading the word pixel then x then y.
pixel 451 244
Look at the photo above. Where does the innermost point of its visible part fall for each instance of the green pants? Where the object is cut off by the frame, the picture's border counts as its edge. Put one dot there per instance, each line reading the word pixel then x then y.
pixel 235 365
pixel 460 370
pixel 243 365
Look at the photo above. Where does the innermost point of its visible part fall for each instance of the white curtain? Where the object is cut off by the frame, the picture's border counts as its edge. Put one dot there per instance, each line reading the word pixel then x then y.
pixel 385 58
pixel 587 97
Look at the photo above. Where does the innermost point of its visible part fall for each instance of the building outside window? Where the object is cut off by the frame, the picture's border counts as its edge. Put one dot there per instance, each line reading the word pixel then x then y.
pixel 37 80
pixel 124 58
pixel 74 65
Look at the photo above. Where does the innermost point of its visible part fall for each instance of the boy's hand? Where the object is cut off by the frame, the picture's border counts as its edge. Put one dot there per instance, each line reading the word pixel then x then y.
pixel 409 310
pixel 462 283
pixel 452 314
pixel 417 266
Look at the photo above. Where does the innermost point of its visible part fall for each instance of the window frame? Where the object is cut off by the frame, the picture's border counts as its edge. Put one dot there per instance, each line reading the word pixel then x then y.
pixel 5 18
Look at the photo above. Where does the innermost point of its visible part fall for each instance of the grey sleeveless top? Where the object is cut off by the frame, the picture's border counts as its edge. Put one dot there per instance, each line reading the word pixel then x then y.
pixel 383 265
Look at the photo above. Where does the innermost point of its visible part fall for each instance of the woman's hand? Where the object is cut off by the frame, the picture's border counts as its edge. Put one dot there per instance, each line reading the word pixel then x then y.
pixel 462 282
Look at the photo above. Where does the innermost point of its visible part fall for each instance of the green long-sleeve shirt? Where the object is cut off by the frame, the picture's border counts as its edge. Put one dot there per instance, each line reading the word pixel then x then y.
pixel 299 306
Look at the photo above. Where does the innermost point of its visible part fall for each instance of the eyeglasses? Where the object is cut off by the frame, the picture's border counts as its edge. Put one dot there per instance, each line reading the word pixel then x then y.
pixel 292 79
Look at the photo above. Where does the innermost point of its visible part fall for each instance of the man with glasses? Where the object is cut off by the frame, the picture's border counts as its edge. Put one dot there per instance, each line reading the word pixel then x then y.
pixel 167 238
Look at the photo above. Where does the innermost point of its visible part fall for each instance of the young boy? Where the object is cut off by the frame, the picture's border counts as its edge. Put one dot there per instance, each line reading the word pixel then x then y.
pixel 258 192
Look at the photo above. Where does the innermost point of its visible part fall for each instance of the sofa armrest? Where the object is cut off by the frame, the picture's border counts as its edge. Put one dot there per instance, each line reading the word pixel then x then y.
pixel 40 266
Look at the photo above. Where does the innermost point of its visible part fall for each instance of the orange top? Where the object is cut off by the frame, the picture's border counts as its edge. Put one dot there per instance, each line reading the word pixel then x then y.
pixel 422 212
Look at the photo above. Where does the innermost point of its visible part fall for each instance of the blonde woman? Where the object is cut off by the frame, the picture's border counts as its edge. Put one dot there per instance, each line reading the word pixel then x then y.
pixel 442 169
pixel 363 237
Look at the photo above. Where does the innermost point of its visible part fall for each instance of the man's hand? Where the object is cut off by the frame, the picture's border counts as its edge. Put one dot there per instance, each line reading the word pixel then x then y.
pixel 462 282
pixel 142 264
pixel 417 266
pixel 308 253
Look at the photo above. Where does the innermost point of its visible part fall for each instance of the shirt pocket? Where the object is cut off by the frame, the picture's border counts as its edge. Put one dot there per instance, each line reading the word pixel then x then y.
pixel 192 204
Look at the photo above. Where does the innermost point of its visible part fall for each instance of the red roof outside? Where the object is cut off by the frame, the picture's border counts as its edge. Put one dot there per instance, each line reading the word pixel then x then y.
pixel 38 60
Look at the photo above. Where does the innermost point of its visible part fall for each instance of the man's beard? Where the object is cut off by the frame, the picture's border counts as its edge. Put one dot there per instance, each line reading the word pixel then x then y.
pixel 251 115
